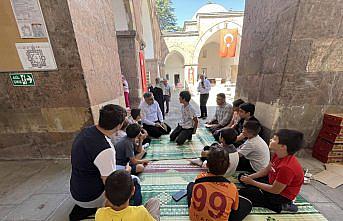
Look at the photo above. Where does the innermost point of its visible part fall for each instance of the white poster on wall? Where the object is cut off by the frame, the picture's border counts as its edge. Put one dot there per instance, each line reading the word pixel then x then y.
pixel 29 18
pixel 36 56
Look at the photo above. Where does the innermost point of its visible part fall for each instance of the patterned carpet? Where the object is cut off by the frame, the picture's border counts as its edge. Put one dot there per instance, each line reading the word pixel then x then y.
pixel 164 178
pixel 163 185
pixel 163 149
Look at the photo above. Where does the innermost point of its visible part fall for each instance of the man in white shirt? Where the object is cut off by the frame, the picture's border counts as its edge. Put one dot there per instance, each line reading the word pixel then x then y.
pixel 254 152
pixel 152 117
pixel 204 88
pixel 166 94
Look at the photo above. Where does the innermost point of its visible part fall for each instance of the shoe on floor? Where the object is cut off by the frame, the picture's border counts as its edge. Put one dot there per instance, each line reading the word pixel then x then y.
pixel 290 207
pixel 197 162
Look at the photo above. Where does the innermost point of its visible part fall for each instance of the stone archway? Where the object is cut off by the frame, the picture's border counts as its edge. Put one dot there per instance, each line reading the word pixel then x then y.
pixel 174 68
pixel 206 53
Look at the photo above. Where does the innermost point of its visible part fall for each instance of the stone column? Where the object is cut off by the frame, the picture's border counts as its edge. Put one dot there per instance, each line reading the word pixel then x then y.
pixel 291 62
pixel 128 48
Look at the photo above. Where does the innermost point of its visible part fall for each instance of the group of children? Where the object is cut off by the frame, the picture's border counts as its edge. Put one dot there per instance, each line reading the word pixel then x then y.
pixel 268 182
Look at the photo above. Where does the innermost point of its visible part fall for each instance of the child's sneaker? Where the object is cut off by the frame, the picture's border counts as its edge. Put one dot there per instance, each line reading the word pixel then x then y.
pixel 196 161
pixel 290 207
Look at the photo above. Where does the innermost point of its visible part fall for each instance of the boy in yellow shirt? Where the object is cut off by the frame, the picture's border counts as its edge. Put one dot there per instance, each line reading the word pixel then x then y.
pixel 118 190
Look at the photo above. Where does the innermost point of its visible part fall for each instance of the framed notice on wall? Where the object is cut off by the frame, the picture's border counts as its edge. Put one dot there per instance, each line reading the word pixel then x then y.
pixel 36 56
pixel 29 18
pixel 24 41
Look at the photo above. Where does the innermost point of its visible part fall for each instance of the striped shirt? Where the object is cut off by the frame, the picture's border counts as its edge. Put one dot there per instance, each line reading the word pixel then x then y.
pixel 223 114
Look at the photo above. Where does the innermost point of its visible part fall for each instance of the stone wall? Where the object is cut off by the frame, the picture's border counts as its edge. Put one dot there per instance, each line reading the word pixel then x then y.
pixel 41 121
pixel 291 62
pixel 94 29
pixel 129 61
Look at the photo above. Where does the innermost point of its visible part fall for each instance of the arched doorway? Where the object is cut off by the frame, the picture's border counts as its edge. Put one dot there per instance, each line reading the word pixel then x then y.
pixel 206 54
pixel 174 69
pixel 210 62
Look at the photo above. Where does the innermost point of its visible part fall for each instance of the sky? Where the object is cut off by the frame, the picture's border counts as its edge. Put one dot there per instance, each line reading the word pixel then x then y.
pixel 185 9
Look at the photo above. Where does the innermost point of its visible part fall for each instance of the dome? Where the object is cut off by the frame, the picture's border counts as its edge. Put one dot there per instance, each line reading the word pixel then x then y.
pixel 209 8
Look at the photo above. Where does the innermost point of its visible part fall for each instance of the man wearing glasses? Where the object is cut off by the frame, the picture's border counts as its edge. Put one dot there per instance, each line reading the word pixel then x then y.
pixel 152 117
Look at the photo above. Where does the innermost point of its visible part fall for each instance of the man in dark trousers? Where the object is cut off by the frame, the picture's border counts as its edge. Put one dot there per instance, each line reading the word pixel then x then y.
pixel 158 95
pixel 204 88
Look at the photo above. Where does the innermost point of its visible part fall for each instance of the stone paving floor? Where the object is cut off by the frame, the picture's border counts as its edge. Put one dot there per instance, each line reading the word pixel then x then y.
pixel 39 189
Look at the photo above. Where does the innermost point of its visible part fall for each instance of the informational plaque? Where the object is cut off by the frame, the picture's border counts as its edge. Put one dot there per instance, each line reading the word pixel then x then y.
pixel 29 18
pixel 36 56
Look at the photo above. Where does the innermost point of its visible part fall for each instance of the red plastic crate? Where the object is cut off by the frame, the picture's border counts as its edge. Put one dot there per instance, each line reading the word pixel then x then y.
pixel 334 119
pixel 327 159
pixel 336 129
pixel 330 136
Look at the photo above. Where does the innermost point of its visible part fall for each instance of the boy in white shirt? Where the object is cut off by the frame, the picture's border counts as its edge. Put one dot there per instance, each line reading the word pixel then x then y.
pixel 254 152
pixel 189 121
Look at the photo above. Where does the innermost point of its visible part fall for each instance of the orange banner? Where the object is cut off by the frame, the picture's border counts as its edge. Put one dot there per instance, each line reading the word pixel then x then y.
pixel 143 71
pixel 228 43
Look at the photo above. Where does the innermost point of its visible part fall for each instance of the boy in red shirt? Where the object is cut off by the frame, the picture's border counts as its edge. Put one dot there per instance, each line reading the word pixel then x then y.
pixel 212 197
pixel 285 175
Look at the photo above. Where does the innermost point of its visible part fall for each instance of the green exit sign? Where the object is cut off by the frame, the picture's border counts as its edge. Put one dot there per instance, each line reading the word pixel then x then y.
pixel 24 79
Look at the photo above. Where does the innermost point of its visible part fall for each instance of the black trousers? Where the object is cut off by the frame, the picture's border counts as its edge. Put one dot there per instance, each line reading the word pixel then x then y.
pixel 244 205
pixel 203 102
pixel 244 165
pixel 260 198
pixel 156 132
pixel 167 100
pixel 180 135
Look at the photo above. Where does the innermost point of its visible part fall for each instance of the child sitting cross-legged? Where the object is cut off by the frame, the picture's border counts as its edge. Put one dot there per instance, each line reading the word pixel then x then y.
pixel 125 150
pixel 118 190
pixel 227 138
pixel 212 196
pixel 279 183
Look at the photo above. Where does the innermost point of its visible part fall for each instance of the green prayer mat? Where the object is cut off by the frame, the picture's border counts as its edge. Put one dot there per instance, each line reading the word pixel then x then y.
pixel 164 149
pixel 163 185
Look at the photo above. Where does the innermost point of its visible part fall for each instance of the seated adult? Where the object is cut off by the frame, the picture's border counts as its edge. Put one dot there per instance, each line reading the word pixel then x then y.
pixel 254 152
pixel 152 118
pixel 93 160
pixel 223 114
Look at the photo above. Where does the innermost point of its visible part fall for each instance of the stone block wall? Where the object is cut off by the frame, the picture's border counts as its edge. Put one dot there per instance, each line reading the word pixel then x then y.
pixel 291 62
pixel 42 121
pixel 129 61
pixel 94 29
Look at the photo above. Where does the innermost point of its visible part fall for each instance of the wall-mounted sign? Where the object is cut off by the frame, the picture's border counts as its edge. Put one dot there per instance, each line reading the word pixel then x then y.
pixel 36 56
pixel 29 17
pixel 22 79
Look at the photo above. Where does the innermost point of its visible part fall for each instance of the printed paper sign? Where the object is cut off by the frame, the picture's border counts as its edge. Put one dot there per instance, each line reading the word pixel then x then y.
pixel 36 56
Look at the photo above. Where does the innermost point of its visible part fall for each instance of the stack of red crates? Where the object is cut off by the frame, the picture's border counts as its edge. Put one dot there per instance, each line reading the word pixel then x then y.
pixel 329 145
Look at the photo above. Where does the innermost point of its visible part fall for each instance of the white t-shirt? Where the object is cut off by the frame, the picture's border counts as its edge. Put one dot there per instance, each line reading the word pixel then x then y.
pixel 256 151
pixel 106 160
pixel 234 159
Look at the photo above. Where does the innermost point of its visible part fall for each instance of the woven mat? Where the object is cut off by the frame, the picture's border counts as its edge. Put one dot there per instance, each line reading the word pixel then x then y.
pixel 164 149
pixel 163 185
